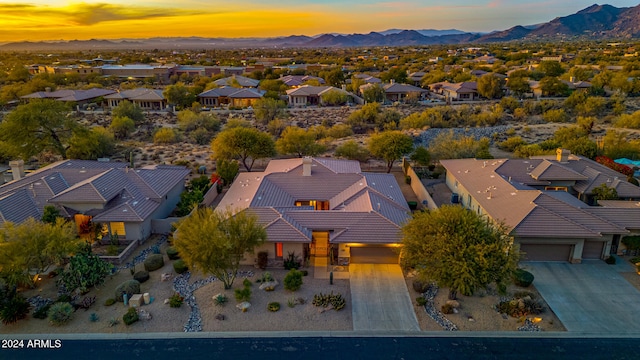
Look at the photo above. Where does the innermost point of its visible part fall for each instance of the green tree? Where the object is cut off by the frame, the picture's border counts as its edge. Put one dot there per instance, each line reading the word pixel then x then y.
pixel 551 86
pixel 421 156
pixel 334 77
pixel 85 270
pixel 227 170
pixel 33 245
pixel 603 192
pixel 130 110
pixel 121 127
pixel 459 249
pixel 267 109
pixel 618 145
pixel 179 95
pixel 334 97
pixel 373 93
pixel 397 74
pixel 244 144
pixel 390 146
pixel 365 116
pixel 490 86
pixel 299 142
pixel 551 68
pixel 50 214
pixel 40 125
pixel 215 242
pixel 351 150
pixel 91 144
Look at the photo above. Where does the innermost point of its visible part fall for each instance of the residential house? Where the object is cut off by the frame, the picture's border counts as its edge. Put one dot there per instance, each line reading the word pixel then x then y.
pixel 366 79
pixel 322 207
pixel 237 81
pixel 415 78
pixel 122 199
pixel 309 95
pixel 403 92
pixel 231 96
pixel 161 73
pixel 547 203
pixel 76 97
pixel 467 90
pixel 299 80
pixel 147 99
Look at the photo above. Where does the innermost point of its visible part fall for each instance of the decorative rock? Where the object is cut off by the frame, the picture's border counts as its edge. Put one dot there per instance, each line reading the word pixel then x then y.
pixel 166 301
pixel 453 303
pixel 220 317
pixel 269 284
pixel 244 306
pixel 165 277
pixel 144 315
pixel 136 300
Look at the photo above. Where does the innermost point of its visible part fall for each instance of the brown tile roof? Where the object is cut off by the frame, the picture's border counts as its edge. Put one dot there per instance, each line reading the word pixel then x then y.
pixel 548 170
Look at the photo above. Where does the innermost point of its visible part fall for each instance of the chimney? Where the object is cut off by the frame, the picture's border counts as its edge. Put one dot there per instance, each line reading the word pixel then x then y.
pixel 562 155
pixel 306 166
pixel 17 168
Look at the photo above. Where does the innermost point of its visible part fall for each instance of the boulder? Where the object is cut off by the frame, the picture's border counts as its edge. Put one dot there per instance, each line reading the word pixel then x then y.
pixel 165 277
pixel 453 303
pixel 269 285
pixel 244 306
pixel 144 315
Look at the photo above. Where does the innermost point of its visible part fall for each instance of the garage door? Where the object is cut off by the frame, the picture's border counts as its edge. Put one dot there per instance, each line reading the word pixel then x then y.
pixel 373 255
pixel 592 249
pixel 545 252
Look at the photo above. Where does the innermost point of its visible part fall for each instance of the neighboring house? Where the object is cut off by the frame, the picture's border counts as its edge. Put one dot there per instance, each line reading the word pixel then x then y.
pixel 366 78
pixel 77 97
pixel 231 96
pixel 467 90
pixel 403 92
pixel 485 59
pixel 147 99
pixel 415 78
pixel 322 207
pixel 545 203
pixel 123 200
pixel 299 80
pixel 309 95
pixel 161 73
pixel 238 81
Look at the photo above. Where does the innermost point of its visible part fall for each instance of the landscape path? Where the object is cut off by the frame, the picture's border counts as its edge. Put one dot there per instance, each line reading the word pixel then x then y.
pixel 380 299
pixel 591 297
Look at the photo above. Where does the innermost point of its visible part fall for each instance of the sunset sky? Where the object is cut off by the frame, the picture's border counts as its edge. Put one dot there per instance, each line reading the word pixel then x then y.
pixel 68 20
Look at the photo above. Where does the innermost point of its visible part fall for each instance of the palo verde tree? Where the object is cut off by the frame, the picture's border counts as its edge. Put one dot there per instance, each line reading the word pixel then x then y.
pixel 243 144
pixel 459 249
pixel 130 110
pixel 299 142
pixel 214 242
pixel 40 125
pixel 33 245
pixel 390 146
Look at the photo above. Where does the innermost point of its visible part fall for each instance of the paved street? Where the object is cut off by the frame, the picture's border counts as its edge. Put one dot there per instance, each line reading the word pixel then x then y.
pixel 325 346
pixel 380 299
pixel 590 297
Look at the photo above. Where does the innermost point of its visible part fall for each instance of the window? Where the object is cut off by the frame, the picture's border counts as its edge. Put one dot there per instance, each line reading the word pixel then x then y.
pixel 278 250
pixel 317 204
pixel 556 188
pixel 117 228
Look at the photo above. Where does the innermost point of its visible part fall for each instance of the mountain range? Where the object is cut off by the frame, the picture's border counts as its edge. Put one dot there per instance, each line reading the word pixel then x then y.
pixel 594 22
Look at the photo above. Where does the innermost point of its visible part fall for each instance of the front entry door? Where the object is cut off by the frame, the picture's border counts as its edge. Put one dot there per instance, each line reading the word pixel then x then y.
pixel 321 243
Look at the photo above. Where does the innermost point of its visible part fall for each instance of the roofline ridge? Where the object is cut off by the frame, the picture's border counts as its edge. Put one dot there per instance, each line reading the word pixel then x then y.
pixel 585 210
pixel 145 182
pixel 291 223
pixel 567 219
pixel 126 203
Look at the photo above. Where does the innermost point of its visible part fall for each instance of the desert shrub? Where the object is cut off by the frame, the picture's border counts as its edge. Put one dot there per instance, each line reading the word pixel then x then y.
pixel 555 115
pixel 130 316
pixel 447 309
pixel 335 300
pixel 635 260
pixel 141 276
pixel 64 298
pixel 175 301
pixel 266 276
pixel 519 307
pixel 339 131
pixel 60 313
pixel 220 299
pixel 631 242
pixel 611 260
pixel 93 317
pixel 13 306
pixel 42 311
pixel 243 294
pixel 165 136
pixel 421 301
pixel 420 286
pixel 246 282
pixel 291 262
pixel 304 272
pixel 85 270
pixel 263 259
pixel 512 143
pixel 273 306
pixel 172 253
pixel 109 302
pixel 129 287
pixel 153 262
pixel 180 266
pixel 522 278
pixel 293 280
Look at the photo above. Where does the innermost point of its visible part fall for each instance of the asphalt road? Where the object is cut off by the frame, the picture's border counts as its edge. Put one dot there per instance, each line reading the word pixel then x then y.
pixel 352 348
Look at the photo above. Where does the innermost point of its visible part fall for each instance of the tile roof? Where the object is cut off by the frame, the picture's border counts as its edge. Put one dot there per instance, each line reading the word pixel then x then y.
pixel 124 194
pixel 395 88
pixel 140 94
pixel 243 81
pixel 505 191
pixel 358 202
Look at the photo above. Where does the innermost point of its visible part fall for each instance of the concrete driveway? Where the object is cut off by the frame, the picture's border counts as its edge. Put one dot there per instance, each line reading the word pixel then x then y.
pixel 380 299
pixel 591 297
